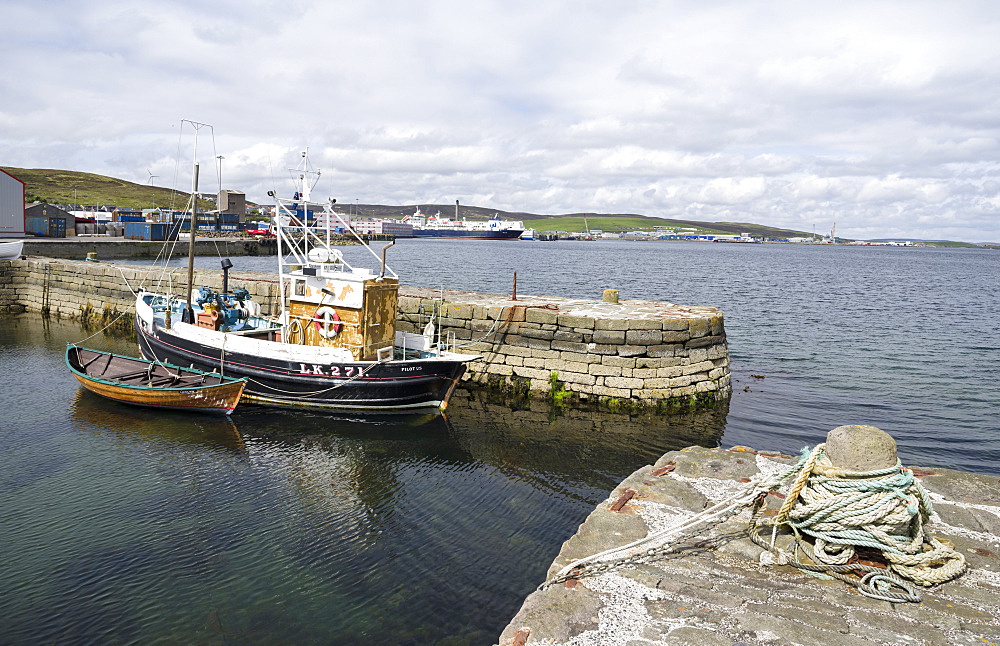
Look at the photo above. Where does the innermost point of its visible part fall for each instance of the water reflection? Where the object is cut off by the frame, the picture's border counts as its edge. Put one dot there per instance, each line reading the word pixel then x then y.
pixel 94 413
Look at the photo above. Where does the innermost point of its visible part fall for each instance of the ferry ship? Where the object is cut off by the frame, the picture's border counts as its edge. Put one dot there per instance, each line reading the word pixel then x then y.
pixel 436 226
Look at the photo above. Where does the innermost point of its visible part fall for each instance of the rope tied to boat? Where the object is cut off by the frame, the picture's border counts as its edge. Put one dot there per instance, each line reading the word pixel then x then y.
pixel 884 510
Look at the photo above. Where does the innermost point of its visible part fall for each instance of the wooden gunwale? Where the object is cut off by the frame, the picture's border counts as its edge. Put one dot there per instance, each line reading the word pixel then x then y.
pixel 148 387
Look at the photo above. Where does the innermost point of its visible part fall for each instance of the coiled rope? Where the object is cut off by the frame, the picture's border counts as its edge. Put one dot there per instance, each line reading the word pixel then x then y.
pixel 884 509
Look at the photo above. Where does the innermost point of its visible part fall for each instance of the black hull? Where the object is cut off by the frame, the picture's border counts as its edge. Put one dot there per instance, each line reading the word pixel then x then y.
pixel 363 385
pixel 512 234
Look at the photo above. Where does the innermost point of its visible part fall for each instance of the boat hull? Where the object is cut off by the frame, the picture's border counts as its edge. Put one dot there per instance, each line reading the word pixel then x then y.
pixel 217 398
pixel 362 385
pixel 510 234
pixel 10 250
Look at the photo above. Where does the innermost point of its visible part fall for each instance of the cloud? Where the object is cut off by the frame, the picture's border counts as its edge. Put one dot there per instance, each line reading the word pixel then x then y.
pixel 881 116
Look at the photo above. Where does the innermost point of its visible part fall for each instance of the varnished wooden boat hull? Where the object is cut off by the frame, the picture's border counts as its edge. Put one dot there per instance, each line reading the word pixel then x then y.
pixel 203 392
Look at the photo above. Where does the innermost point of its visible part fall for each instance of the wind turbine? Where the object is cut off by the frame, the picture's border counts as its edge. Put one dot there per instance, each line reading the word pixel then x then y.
pixel 151 177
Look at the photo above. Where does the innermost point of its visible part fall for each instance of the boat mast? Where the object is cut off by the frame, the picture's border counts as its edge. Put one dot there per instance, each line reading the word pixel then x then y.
pixel 188 316
pixel 188 310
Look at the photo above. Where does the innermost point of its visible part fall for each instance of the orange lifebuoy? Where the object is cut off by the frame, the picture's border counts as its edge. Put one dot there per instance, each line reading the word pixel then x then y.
pixel 327 322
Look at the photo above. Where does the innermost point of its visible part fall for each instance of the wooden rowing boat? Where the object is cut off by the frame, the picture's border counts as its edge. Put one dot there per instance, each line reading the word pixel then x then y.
pixel 153 384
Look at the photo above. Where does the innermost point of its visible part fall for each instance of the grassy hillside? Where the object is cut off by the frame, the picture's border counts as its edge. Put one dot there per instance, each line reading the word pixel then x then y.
pixel 575 221
pixel 58 186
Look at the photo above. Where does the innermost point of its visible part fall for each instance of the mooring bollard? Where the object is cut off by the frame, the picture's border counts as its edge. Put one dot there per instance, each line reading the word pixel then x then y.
pixel 860 448
pixel 610 296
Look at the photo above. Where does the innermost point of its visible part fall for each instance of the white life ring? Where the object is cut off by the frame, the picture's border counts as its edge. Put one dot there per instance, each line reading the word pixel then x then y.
pixel 327 322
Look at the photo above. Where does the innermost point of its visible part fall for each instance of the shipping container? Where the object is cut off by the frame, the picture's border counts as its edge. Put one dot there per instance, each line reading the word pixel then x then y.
pixel 52 227
pixel 155 231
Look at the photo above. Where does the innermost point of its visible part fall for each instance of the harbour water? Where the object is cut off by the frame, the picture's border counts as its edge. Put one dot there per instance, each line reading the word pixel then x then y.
pixel 125 526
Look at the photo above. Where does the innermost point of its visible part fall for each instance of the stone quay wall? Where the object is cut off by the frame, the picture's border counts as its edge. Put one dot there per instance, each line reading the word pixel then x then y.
pixel 116 248
pixel 630 353
pixel 640 351
pixel 78 289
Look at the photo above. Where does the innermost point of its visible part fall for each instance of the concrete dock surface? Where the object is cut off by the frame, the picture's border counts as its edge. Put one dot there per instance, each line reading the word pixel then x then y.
pixel 717 587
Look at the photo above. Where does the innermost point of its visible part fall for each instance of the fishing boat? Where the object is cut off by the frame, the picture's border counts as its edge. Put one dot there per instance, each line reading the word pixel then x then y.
pixel 332 343
pixel 11 249
pixel 153 384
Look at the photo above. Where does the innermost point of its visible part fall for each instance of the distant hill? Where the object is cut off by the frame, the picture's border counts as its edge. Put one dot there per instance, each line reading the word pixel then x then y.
pixel 575 221
pixel 63 186
pixel 60 187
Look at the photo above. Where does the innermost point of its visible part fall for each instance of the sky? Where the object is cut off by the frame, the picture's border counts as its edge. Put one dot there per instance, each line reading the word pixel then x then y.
pixel 882 117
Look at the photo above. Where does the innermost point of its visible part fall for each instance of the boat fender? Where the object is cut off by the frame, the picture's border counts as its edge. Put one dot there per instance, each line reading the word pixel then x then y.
pixel 327 322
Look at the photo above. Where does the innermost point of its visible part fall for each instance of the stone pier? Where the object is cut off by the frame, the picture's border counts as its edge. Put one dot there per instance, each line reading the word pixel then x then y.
pixel 629 354
pixel 716 587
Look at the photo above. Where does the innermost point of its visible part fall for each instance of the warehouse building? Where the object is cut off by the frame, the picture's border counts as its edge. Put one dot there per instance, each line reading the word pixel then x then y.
pixel 233 203
pixel 11 206
pixel 47 221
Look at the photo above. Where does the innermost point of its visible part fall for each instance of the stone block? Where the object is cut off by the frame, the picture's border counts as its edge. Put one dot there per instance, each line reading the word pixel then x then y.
pixel 562 367
pixel 644 373
pixel 620 362
pixel 481 325
pixel 572 321
pixel 716 325
pixel 541 315
pixel 499 369
pixel 543 353
pixel 564 335
pixel 623 382
pixel 448 322
pixel 602 348
pixel 607 391
pixel 699 327
pixel 602 370
pixel 568 346
pixel 675 336
pixel 537 334
pixel 702 366
pixel 643 337
pixel 527 342
pixel 631 350
pixel 515 313
pixel 577 378
pixel 644 324
pixel 704 341
pixel 513 361
pixel 611 324
pixel 532 373
pixel 580 357
pixel 662 351
pixel 656 362
pixel 614 337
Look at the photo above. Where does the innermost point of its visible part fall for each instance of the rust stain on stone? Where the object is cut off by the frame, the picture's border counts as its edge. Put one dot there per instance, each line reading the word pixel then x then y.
pixel 777 494
pixel 665 469
pixel 627 495
pixel 983 552
pixel 922 473
pixel 521 637
pixel 570 584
